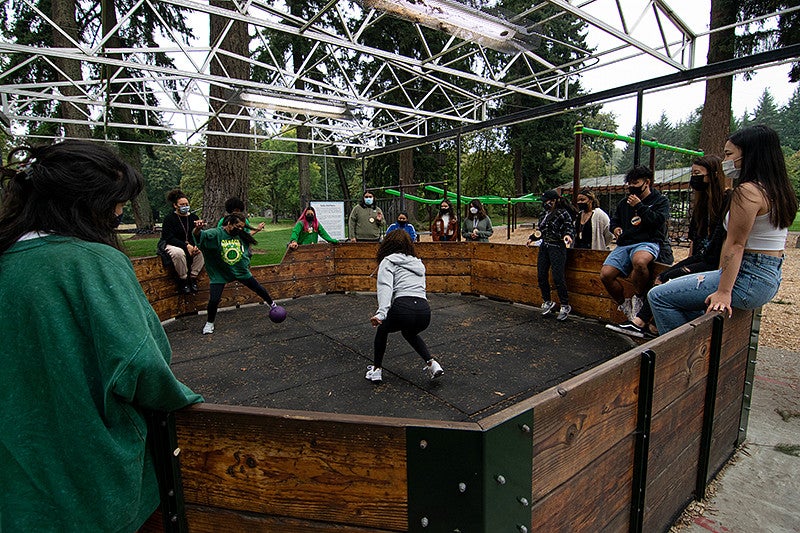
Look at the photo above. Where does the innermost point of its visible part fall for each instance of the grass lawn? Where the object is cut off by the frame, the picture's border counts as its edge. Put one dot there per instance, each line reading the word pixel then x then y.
pixel 271 245
pixel 796 224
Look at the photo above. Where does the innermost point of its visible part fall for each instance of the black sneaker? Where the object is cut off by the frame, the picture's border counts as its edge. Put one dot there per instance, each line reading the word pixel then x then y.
pixel 628 328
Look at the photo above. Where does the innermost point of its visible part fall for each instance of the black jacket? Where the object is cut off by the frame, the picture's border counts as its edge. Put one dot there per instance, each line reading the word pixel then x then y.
pixel 652 215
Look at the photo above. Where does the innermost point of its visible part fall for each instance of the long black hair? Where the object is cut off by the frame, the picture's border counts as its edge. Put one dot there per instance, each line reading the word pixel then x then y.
pixel 233 218
pixel 763 163
pixel 708 205
pixel 395 242
pixel 70 189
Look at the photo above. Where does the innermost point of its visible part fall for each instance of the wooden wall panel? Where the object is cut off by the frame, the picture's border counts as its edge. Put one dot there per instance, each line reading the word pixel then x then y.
pixel 591 499
pixel 592 413
pixel 344 473
pixel 212 520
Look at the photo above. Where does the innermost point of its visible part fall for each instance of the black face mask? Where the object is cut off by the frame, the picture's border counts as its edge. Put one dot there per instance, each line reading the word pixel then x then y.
pixel 235 232
pixel 309 217
pixel 444 211
pixel 636 191
pixel 697 183
pixel 402 223
pixel 583 206
pixel 549 205
pixel 116 220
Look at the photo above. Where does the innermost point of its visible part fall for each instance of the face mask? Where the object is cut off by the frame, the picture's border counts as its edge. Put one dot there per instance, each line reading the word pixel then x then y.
pixel 444 211
pixel 636 191
pixel 235 231
pixel 368 201
pixel 309 217
pixel 184 209
pixel 549 205
pixel 697 183
pixel 730 170
pixel 401 223
pixel 473 210
pixel 117 220
pixel 583 206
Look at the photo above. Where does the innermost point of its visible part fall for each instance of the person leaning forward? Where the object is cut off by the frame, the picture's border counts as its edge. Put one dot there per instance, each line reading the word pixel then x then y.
pixel 366 222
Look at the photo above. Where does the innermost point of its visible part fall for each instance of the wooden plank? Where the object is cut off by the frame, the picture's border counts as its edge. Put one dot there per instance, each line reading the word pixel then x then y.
pixel 295 468
pixel 676 489
pixel 589 416
pixel 211 520
pixel 592 498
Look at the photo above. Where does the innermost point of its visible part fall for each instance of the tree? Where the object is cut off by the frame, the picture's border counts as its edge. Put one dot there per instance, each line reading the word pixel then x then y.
pixel 788 125
pixel 766 112
pixel 227 157
pixel 725 45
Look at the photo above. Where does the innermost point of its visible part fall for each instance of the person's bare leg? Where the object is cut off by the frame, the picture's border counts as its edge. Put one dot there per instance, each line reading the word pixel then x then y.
pixel 610 278
pixel 640 275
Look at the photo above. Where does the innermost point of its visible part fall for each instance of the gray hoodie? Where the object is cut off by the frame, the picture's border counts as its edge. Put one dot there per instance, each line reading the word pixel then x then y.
pixel 399 275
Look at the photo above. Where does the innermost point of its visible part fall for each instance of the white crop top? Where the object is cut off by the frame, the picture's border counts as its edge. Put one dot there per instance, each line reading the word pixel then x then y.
pixel 763 235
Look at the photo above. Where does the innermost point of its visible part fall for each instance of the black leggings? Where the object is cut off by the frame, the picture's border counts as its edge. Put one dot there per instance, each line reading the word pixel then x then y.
pixel 409 316
pixel 552 257
pixel 215 296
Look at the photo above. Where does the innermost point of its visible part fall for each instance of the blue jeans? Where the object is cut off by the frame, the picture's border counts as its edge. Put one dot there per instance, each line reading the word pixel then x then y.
pixel 683 299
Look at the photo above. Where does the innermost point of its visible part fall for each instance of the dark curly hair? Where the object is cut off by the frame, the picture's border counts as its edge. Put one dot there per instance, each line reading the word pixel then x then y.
pixel 70 189
pixel 395 242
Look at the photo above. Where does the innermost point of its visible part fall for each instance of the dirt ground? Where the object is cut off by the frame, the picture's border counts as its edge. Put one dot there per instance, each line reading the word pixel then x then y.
pixel 779 323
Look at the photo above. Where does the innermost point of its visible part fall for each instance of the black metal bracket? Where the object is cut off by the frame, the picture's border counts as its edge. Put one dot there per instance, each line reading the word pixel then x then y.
pixel 163 440
pixel 750 376
pixel 647 371
pixel 462 480
pixel 707 432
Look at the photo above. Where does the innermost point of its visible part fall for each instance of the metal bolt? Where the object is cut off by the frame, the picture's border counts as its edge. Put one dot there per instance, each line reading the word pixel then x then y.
pixel 173 518
pixel 424 521
pixel 462 487
pixel 423 444
pixel 171 493
pixel 500 479
pixel 176 452
pixel 523 501
pixel 522 529
pixel 525 428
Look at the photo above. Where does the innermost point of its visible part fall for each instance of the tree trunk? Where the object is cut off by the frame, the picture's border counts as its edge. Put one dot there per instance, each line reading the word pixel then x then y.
pixel 227 157
pixel 407 178
pixel 74 115
pixel 716 118
pixel 304 166
pixel 142 213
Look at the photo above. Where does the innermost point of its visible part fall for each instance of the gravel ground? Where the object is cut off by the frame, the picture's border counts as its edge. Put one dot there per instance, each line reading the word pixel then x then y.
pixel 780 321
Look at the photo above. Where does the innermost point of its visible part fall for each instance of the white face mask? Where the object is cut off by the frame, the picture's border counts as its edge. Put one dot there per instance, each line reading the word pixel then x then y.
pixel 473 210
pixel 730 170
pixel 367 201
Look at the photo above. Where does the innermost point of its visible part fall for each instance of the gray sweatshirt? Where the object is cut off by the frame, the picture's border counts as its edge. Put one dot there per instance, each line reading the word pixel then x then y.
pixel 399 275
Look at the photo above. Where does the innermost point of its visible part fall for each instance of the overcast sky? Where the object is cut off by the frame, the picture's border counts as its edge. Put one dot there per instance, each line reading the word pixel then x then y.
pixel 680 102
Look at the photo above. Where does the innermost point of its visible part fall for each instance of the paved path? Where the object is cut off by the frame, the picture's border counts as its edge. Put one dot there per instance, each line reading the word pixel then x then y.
pixel 760 492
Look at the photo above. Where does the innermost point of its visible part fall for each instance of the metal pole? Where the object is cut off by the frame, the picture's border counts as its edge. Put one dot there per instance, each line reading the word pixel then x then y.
pixel 576 168
pixel 637 136
pixel 458 184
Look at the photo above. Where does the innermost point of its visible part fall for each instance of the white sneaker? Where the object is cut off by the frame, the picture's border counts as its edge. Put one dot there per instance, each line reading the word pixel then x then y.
pixel 563 313
pixel 547 308
pixel 375 375
pixel 434 369
pixel 636 305
pixel 208 328
pixel 627 309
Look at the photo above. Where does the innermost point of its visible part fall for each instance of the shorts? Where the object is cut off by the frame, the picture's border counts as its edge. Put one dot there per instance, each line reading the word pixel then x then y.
pixel 620 257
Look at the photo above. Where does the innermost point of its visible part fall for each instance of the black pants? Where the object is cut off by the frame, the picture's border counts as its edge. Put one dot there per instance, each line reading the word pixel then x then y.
pixel 409 316
pixel 553 257
pixel 215 296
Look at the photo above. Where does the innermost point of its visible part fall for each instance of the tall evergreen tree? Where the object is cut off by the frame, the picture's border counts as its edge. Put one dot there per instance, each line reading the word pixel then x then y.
pixel 789 123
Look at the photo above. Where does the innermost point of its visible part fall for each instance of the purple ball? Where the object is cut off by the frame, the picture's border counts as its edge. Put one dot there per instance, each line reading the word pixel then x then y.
pixel 277 314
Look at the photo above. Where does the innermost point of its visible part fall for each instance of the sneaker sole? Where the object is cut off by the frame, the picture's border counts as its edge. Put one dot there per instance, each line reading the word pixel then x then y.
pixel 624 331
pixel 437 374
pixel 562 318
